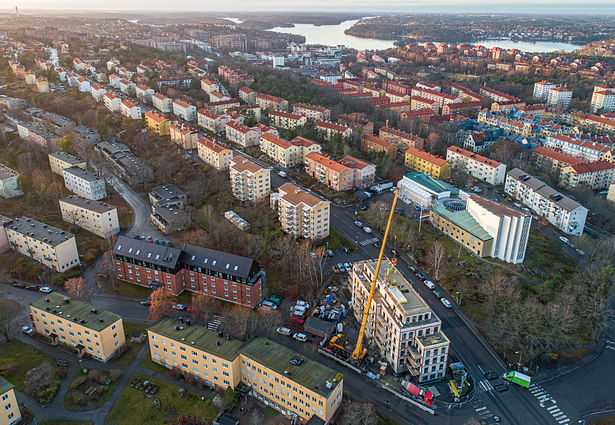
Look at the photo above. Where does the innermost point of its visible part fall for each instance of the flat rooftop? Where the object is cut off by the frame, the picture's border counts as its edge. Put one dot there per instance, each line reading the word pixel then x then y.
pixel 66 157
pixel 88 204
pixel 5 385
pixel 310 374
pixel 6 172
pixel 199 337
pixel 431 184
pixel 433 339
pixel 82 174
pixel 40 231
pixel 76 311
pixel 464 220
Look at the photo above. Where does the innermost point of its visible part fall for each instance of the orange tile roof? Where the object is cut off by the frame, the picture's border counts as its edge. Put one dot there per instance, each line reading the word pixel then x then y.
pixel 352 162
pixel 296 196
pixel 310 107
pixel 475 157
pixel 239 163
pixel 302 141
pixel 288 115
pixel 212 144
pixel 270 98
pixel 239 127
pixel 276 140
pixel 153 115
pixel 128 103
pixel 592 167
pixel 421 154
pixel 208 113
pixel 182 103
pixel 332 126
pixel 557 155
pixel 325 162
pixel 377 140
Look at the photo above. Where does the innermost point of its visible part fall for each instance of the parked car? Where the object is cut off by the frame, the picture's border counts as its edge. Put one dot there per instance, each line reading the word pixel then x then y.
pixel 346 250
pixel 395 252
pixel 282 173
pixel 27 330
pixel 179 307
pixel 341 267
pixel 437 293
pixel 420 276
pixel 330 253
pixel 347 267
pixel 412 268
pixel 19 284
pixel 367 229
pixel 358 223
pixel 300 337
pixel 430 284
pixel 283 331
pixel 270 304
pixel 46 290
pixel 146 303
pixel 446 302
pixel 564 240
pixel 32 287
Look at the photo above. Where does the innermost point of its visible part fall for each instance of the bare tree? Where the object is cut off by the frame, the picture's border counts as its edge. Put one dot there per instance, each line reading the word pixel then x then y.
pixel 269 321
pixel 435 256
pixel 161 304
pixel 77 288
pixel 12 316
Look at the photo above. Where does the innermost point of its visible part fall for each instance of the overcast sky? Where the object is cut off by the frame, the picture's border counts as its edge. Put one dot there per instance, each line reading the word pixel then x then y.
pixel 323 6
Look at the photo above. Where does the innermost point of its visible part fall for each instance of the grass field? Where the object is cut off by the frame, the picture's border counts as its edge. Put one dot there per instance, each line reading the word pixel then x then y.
pixel 134 408
pixel 25 357
pixel 130 290
pixel 148 363
pixel 133 347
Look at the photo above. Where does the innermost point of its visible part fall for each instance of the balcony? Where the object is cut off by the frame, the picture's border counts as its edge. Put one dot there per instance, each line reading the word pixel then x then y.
pixel 413 367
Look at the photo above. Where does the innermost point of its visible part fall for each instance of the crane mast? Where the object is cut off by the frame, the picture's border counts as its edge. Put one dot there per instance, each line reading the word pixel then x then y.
pixel 357 354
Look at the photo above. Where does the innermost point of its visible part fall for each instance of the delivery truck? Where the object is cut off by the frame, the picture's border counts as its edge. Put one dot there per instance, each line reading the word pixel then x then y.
pixel 518 378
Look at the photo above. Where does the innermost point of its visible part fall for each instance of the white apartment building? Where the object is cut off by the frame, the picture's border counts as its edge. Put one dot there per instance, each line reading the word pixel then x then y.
pixel 162 103
pixel 559 96
pixel 112 102
pixel 302 214
pixel 249 181
pixel 541 90
pixel 84 183
pixel 127 87
pixel 509 228
pixel 97 91
pixel 93 216
pixel 585 149
pixel 144 93
pixel 184 110
pixel 212 121
pixel 130 109
pixel 52 247
pixel 477 166
pixel 240 134
pixel 564 213
pixel 403 327
pixel 9 183
pixel 58 161
pixel 603 99
pixel 213 153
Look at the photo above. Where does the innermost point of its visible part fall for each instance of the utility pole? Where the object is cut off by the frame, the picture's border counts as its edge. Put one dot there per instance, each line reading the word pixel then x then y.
pixel 519 364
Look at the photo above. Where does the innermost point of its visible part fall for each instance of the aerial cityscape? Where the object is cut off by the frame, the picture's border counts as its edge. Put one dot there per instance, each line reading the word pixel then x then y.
pixel 345 213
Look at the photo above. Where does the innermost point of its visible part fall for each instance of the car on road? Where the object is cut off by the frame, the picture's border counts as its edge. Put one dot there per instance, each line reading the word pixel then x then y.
pixel 501 388
pixel 146 303
pixel 46 290
pixel 180 307
pixel 491 375
pixel 420 276
pixel 32 287
pixel 347 267
pixel 282 173
pixel 358 223
pixel 564 240
pixel 395 252
pixel 437 293
pixel 341 267
pixel 19 284
pixel 367 229
pixel 412 268
pixel 283 331
pixel 300 337
pixel 429 284
pixel 446 303
pixel 27 330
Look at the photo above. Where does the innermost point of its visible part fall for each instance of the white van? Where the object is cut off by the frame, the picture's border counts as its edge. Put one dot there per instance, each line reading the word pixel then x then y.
pixel 282 173
pixel 283 331
pixel 300 337
pixel 429 284
pixel 367 229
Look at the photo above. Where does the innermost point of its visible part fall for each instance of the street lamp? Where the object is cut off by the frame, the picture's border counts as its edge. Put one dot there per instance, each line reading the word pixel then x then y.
pixel 519 364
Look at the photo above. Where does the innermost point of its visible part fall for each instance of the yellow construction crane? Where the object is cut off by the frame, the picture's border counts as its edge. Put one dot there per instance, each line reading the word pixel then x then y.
pixel 358 353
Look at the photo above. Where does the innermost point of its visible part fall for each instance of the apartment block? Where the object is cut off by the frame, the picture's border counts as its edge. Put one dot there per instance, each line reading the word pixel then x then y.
pixel 245 111
pixel 564 213
pixel 400 138
pixel 307 146
pixel 97 91
pixel 169 208
pixel 184 135
pixel 212 121
pixel 249 181
pixel 208 85
pixel 242 135
pixel 371 143
pixel 161 102
pixel 157 123
pixel 595 175
pixel 247 94
pixel 329 172
pixel 11 414
pixel 271 103
pixel 214 153
pixel 144 93
pixel 603 99
pixel 329 129
pixel 541 90
pixel 403 327
pixel 286 120
pixel 312 112
pixel 222 106
pixel 302 214
pixel 85 183
pixel 432 165
pixel 559 96
pixel 284 153
pixel 217 274
pixel 95 217
pixel 184 110
pixel 585 149
pixel 50 246
pixel 93 332
pixel 130 109
pixel 112 102
pixel 477 166
pixel 9 183
pixel 418 103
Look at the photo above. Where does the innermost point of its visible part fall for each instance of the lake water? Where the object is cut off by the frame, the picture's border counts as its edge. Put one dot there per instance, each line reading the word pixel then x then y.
pixel 332 35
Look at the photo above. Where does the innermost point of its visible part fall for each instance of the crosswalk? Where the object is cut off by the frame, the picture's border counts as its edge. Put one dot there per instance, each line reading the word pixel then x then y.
pixel 214 323
pixel 549 403
pixel 368 241
pixel 610 345
pixel 485 386
pixel 485 416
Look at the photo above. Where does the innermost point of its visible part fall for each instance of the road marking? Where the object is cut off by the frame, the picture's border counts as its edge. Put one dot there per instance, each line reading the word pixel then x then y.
pixel 482 408
pixel 485 385
pixel 368 241
pixel 539 393
pixel 551 408
pixel 563 421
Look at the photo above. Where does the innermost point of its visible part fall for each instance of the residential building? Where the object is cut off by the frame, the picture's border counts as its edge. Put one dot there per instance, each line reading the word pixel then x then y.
pixel 144 93
pixel 312 112
pixel 423 190
pixel 184 110
pixel 84 136
pixel 112 102
pixel 271 103
pixel 246 110
pixel 364 173
pixel 286 120
pixel 603 99
pixel 205 271
pixel 240 134
pixel 157 123
pixel 553 162
pixel 418 103
pixel 222 106
pixel 38 135
pixel 131 169
pixel 585 149
pixel 184 135
pixel 169 208
pixel 477 166
pixel 371 143
pixel 595 175
pixel 329 172
pixel 83 85
pixel 284 153
pixel 249 181
pixel 430 95
pixel 469 109
pixel 400 138
pixel 9 183
pixel 247 95
pixel 50 246
pixel 58 161
pixel 84 183
pixel 91 331
pixel 559 96
pixel 497 96
pixel 559 210
pixel 329 129
pixel 208 85
pixel 610 195
pixel 4 242
pixel 541 90
pixel 130 109
pixel 306 146
pixel 11 414
pixel 406 331
pixel 42 85
pixel 213 153
pixel 127 87
pixel 161 102
pixel 212 121
pixel 302 214
pixel 95 217
pixel 168 195
pixel 432 165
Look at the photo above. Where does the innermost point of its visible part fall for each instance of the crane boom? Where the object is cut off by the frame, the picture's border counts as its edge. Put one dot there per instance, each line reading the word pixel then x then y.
pixel 357 353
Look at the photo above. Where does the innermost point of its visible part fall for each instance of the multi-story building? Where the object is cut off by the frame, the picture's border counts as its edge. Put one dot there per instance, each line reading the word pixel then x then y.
pixel 84 183
pixel 596 175
pixel 85 136
pixel 184 135
pixel 306 146
pixel 249 181
pixel 93 332
pixel 400 138
pixel 329 129
pixel 212 121
pixel 603 99
pixel 58 161
pixel 312 112
pixel 462 108
pixel 240 134
pixel 214 153
pixel 552 161
pixel 364 173
pixel 93 216
pixel 432 165
pixel 424 190
pixel 406 331
pixel 586 149
pixel 127 87
pixel 371 143
pixel 144 93
pixel 9 183
pixel 184 110
pixel 130 109
pixel 286 120
pixel 169 208
pixel 161 102
pixel 418 103
pixel 477 166
pixel 216 274
pixel 302 214
pixel 130 168
pixel 271 103
pixel 247 94
pixel 52 247
pixel 168 195
pixel 497 96
pixel 559 210
pixel 11 414
pixel 97 91
pixel 434 96
pixel 284 153
pixel 222 106
pixel 208 85
pixel 157 123
pixel 111 101
pixel 541 90
pixel 329 172
pixel 559 96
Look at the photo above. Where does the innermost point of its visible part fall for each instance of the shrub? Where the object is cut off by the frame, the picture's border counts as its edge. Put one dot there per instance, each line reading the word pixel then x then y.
pixel 115 374
pixel 78 382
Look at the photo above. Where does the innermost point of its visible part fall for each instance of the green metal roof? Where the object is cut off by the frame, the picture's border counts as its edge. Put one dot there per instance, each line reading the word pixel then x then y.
pixel 203 338
pixel 430 183
pixel 76 311
pixel 5 385
pixel 464 220
pixel 309 374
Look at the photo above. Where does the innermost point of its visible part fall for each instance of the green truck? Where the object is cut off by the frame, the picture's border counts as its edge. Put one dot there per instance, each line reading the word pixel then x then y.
pixel 518 378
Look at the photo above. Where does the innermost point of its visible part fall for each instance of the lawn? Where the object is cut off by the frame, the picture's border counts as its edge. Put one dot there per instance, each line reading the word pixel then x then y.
pixel 270 412
pixel 149 364
pixel 65 422
pixel 133 347
pixel 76 400
pixel 336 240
pixel 129 290
pixel 24 357
pixel 134 408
